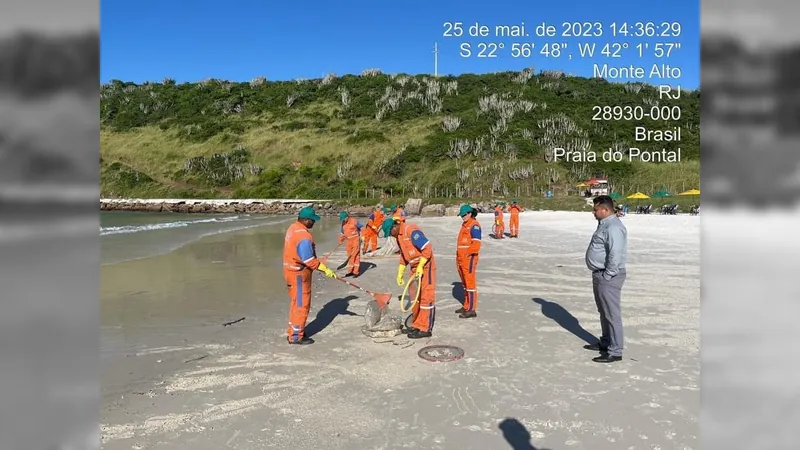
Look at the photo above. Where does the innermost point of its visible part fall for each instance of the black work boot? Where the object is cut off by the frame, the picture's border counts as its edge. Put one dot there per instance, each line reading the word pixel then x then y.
pixel 417 334
pixel 468 315
pixel 460 310
pixel 596 347
pixel 304 341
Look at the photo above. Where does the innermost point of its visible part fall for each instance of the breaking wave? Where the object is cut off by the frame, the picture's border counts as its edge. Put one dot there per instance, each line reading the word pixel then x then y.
pixel 126 229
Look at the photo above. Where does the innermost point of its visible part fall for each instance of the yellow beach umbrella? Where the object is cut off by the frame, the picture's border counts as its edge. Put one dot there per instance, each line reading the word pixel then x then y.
pixel 637 196
pixel 691 192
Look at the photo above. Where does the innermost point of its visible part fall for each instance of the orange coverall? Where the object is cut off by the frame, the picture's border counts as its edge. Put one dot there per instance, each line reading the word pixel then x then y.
pixel 371 233
pixel 351 232
pixel 499 224
pixel 399 212
pixel 299 261
pixel 467 248
pixel 513 223
pixel 413 245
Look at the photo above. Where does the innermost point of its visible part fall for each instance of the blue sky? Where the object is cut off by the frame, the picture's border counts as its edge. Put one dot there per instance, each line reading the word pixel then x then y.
pixel 149 40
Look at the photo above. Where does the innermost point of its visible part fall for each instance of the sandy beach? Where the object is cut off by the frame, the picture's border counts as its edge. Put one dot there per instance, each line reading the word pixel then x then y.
pixel 525 381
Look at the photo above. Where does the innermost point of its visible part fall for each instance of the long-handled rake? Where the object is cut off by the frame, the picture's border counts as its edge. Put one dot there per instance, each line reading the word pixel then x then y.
pixel 324 258
pixel 382 299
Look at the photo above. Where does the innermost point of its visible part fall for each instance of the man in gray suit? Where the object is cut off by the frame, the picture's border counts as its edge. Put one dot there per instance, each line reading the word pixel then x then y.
pixel 606 257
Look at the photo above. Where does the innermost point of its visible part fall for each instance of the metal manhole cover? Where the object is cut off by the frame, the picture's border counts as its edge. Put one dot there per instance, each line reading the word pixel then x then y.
pixel 441 353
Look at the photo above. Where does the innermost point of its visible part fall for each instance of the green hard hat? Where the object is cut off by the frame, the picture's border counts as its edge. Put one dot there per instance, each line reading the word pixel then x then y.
pixel 342 215
pixel 514 201
pixel 308 213
pixel 464 210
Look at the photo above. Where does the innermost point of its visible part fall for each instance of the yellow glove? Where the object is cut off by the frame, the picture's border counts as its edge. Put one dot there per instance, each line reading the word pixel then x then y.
pixel 421 266
pixel 400 270
pixel 497 222
pixel 327 271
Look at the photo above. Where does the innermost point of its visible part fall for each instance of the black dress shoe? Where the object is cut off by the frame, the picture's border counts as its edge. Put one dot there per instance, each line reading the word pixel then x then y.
pixel 460 311
pixel 596 348
pixel 417 334
pixel 607 359
pixel 303 341
pixel 468 315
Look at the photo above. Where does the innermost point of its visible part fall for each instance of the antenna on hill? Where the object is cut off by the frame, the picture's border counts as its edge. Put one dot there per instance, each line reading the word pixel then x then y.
pixel 435 59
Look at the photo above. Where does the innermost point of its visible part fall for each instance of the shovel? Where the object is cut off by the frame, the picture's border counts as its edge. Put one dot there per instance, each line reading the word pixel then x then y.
pixel 381 298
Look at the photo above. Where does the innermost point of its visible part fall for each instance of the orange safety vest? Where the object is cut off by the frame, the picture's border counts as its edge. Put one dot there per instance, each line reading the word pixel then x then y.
pixel 296 233
pixel 467 244
pixel 376 221
pixel 350 228
pixel 409 253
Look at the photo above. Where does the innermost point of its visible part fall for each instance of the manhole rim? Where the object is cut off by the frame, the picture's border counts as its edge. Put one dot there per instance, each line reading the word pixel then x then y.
pixel 458 350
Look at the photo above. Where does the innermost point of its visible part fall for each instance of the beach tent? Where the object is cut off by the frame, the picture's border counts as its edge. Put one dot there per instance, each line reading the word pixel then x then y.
pixel 690 192
pixel 638 196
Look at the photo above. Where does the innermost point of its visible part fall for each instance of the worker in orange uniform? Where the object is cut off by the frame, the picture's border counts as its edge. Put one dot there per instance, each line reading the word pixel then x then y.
pixel 351 232
pixel 467 248
pixel 400 212
pixel 513 223
pixel 416 251
pixel 373 228
pixel 299 262
pixel 499 224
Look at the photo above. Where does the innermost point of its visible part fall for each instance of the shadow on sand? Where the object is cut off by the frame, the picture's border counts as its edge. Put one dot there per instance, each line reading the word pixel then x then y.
pixel 326 315
pixel 565 319
pixel 517 436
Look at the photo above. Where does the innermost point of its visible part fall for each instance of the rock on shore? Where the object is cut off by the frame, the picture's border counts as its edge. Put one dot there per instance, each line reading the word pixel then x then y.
pixel 413 206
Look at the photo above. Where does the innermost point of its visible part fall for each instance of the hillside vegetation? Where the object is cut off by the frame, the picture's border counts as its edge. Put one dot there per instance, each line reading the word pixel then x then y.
pixel 470 136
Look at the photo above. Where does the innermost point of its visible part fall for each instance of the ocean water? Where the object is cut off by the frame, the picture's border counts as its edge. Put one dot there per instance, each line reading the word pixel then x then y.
pixel 133 235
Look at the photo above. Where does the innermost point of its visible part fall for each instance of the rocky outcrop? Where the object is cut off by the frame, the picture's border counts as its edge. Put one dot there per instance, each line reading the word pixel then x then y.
pixel 433 211
pixel 451 210
pixel 274 207
pixel 413 206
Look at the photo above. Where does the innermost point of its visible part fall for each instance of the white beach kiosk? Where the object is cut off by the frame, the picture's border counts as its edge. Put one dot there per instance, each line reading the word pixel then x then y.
pixel 597 186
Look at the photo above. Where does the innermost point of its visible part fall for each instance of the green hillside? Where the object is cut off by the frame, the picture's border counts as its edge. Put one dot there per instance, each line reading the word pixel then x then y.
pixel 471 136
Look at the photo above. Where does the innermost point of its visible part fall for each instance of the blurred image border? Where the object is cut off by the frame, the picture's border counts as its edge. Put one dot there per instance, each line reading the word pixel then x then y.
pixel 750 179
pixel 49 239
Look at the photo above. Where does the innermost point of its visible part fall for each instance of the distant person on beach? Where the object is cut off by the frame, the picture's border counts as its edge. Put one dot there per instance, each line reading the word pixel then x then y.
pixel 299 262
pixel 386 228
pixel 373 229
pixel 417 251
pixel 399 212
pixel 499 221
pixel 606 258
pixel 513 222
pixel 468 246
pixel 351 232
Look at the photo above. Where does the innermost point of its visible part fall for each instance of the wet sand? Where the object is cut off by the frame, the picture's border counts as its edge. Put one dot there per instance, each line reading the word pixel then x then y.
pixel 525 378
